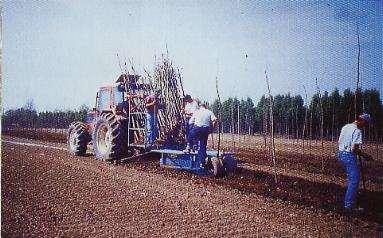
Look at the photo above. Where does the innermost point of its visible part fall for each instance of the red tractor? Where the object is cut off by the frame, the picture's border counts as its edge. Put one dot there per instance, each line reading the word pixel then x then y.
pixel 108 127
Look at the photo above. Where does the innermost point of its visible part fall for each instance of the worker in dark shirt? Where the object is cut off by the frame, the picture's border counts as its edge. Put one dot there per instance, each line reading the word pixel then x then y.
pixel 151 104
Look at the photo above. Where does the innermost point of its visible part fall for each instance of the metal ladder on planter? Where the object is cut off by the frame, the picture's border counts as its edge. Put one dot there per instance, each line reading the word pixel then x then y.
pixel 134 118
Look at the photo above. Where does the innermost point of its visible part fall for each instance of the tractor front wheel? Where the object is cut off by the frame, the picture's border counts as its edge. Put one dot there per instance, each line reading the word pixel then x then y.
pixel 77 138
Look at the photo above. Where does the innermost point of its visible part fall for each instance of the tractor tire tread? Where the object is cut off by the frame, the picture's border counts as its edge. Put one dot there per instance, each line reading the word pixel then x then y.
pixel 78 129
pixel 118 140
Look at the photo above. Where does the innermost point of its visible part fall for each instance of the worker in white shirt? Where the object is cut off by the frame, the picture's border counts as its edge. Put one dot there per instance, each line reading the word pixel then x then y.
pixel 350 141
pixel 191 105
pixel 204 122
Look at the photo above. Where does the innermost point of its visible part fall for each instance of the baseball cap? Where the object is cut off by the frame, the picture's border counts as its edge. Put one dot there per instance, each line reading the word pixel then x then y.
pixel 366 117
pixel 187 97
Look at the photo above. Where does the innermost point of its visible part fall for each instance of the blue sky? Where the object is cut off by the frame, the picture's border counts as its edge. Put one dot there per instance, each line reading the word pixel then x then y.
pixel 59 52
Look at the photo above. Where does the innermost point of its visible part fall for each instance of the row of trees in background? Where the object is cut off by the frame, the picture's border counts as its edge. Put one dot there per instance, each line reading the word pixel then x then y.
pixel 28 117
pixel 292 117
pixel 295 119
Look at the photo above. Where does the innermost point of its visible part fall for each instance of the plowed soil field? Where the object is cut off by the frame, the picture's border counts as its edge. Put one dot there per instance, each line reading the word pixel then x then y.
pixel 46 192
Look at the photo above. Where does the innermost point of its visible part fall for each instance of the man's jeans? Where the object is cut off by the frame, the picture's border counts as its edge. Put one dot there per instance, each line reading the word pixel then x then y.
pixel 151 127
pixel 350 163
pixel 201 135
pixel 188 128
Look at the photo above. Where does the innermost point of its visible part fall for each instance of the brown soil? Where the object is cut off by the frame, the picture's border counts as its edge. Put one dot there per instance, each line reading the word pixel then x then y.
pixel 315 195
pixel 37 134
pixel 309 163
pixel 48 192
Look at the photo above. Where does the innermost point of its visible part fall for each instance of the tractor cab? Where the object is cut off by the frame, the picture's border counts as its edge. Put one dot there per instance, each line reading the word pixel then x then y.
pixel 112 98
pixel 109 97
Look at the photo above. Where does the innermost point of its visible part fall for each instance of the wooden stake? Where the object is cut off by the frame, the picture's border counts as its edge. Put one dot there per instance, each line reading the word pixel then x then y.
pixel 219 117
pixel 271 105
pixel 357 78
pixel 321 127
pixel 238 122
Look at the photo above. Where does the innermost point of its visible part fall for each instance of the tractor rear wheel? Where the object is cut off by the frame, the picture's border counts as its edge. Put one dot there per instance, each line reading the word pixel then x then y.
pixel 110 138
pixel 78 138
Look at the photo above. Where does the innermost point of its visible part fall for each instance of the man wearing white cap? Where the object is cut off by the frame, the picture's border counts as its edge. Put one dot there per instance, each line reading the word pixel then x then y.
pixel 350 141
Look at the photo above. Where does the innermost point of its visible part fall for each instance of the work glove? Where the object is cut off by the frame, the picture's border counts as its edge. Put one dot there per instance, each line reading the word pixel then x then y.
pixel 368 157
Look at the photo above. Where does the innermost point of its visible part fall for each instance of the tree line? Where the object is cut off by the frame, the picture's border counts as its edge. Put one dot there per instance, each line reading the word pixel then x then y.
pixel 28 117
pixel 323 115
pixel 295 119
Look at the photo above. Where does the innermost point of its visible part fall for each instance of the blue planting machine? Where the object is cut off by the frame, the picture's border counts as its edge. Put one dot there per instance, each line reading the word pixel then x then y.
pixel 217 165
